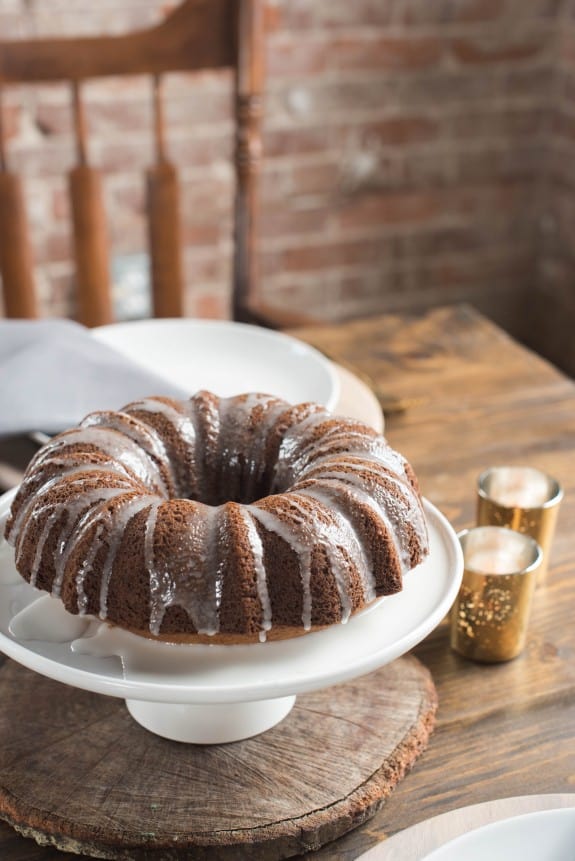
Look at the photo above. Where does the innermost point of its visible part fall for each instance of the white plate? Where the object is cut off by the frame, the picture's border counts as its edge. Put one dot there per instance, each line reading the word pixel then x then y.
pixel 226 358
pixel 547 835
pixel 232 674
pixel 417 842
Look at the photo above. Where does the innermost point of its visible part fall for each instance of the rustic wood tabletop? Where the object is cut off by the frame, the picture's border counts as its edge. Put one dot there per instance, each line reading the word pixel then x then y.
pixel 460 395
pixel 477 399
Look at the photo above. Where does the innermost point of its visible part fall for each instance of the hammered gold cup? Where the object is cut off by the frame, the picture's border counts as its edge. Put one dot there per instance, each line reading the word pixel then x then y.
pixel 490 616
pixel 521 498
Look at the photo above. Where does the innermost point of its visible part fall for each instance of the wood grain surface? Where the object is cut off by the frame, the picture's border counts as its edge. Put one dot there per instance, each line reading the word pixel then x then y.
pixel 471 397
pixel 479 399
pixel 78 773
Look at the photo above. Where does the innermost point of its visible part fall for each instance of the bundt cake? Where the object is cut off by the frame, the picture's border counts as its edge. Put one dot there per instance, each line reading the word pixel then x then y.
pixel 218 519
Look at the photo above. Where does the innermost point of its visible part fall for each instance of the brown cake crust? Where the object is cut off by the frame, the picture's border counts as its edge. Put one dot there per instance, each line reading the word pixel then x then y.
pixel 218 520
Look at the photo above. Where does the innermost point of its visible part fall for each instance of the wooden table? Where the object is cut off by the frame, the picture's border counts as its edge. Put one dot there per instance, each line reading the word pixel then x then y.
pixel 478 399
pixel 462 396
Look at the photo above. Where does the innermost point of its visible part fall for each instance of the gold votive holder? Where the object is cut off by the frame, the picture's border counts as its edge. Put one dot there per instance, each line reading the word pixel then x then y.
pixel 490 616
pixel 521 498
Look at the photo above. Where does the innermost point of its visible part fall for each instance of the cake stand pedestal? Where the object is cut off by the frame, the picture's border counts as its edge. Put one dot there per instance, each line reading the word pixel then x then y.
pixel 77 773
pixel 211 723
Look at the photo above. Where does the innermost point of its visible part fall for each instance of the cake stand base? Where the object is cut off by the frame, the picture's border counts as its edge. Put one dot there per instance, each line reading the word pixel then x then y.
pixel 210 724
pixel 76 772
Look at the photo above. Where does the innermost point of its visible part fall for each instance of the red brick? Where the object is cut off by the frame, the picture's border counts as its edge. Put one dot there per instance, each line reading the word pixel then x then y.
pixel 12 24
pixel 205 201
pixel 210 305
pixel 453 271
pixel 203 84
pixel 111 117
pixel 489 199
pixel 566 45
pixel 199 151
pixel 87 19
pixel 390 131
pixel 455 11
pixel 60 203
pixel 201 234
pixel 494 121
pixel 53 119
pixel 209 265
pixel 56 247
pixel 11 116
pixel 284 221
pixel 396 208
pixel 296 140
pixel 389 52
pixel 302 57
pixel 58 296
pixel 403 130
pixel 286 57
pixel 118 156
pixel 198 108
pixel 292 180
pixel 343 14
pixel 130 197
pixel 496 50
pixel 52 158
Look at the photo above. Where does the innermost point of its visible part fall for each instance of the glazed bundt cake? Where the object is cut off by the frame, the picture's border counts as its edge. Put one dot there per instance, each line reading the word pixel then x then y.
pixel 218 520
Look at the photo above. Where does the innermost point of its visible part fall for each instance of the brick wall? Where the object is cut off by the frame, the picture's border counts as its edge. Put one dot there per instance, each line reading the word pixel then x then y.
pixel 416 153
pixel 553 309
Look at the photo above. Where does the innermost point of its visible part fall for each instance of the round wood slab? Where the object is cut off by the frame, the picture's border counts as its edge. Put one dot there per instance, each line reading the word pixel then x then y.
pixel 78 773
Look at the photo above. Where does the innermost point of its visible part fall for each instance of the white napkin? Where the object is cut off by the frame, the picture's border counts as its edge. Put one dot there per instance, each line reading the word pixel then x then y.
pixel 53 373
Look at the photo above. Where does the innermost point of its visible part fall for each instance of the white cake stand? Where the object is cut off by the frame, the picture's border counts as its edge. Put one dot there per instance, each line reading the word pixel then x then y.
pixel 215 694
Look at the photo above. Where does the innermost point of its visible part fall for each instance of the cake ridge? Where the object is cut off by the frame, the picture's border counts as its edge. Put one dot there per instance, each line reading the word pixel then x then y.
pixel 218 519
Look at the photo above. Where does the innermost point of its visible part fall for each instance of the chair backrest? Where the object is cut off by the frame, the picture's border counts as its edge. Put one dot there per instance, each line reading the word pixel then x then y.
pixel 198 34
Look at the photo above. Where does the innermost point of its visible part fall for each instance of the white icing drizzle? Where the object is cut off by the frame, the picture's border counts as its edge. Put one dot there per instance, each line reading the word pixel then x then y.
pixel 293 533
pixel 85 569
pixel 70 535
pixel 261 574
pixel 240 455
pixel 143 436
pixel 48 526
pixel 156 609
pixel 206 421
pixel 354 540
pixel 183 426
pixel 121 517
pixel 115 445
pixel 329 536
pixel 46 619
pixel 398 511
pixel 77 511
pixel 36 506
pixel 193 579
pixel 255 446
pixel 34 498
pixel 339 463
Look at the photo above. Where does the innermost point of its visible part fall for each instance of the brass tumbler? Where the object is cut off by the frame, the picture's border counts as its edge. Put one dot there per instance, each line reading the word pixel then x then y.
pixel 490 616
pixel 520 498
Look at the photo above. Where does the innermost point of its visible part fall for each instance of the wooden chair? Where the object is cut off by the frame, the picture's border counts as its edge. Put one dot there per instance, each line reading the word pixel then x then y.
pixel 199 34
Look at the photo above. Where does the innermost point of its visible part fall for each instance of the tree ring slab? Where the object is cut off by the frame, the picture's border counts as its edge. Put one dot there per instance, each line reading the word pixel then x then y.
pixel 77 773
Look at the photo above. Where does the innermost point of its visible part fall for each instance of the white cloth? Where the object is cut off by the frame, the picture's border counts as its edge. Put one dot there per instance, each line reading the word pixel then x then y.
pixel 53 373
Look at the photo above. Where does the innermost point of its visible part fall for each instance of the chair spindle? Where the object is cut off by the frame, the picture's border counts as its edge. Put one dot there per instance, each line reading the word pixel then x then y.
pixel 89 228
pixel 248 150
pixel 16 263
pixel 164 233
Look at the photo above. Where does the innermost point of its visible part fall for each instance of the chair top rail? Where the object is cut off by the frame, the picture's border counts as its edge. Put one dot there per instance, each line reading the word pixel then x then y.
pixel 198 34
